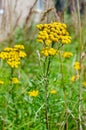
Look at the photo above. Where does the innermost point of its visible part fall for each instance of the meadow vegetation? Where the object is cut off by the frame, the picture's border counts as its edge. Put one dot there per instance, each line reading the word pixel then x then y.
pixel 43 76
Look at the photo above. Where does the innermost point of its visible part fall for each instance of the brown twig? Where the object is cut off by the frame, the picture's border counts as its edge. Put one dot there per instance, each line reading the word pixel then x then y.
pixel 29 14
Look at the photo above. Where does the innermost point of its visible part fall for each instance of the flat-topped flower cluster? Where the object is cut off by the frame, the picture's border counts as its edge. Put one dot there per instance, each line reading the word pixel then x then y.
pixel 52 33
pixel 13 55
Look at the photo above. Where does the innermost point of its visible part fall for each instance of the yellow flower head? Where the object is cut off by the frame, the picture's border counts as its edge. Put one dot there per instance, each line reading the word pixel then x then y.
pixel 67 54
pixel 48 42
pixel 33 93
pixel 53 91
pixel 8 49
pixel 22 54
pixel 77 66
pixel 19 46
pixel 15 80
pixel 39 26
pixel 1 82
pixel 49 51
pixel 75 77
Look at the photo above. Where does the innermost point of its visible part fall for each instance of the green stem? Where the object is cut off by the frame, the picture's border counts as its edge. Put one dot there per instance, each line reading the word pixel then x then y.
pixel 46 94
pixel 13 95
pixel 65 97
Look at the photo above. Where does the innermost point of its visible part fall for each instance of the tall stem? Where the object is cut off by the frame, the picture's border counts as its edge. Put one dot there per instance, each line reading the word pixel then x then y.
pixel 12 90
pixel 80 87
pixel 46 94
pixel 65 97
pixel 13 95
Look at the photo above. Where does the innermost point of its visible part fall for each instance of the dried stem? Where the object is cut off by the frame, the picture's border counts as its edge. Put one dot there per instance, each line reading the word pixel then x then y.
pixel 29 15
pixel 80 87
pixel 47 6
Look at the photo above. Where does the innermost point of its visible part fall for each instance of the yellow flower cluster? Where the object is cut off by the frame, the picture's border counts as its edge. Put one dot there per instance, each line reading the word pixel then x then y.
pixel 52 33
pixel 67 54
pixel 49 51
pixel 1 82
pixel 77 66
pixel 33 93
pixel 53 91
pixel 13 55
pixel 75 77
pixel 15 80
